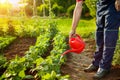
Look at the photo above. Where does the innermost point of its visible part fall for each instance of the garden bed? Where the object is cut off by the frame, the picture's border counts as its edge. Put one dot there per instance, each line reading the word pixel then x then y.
pixel 19 47
pixel 73 66
pixel 76 63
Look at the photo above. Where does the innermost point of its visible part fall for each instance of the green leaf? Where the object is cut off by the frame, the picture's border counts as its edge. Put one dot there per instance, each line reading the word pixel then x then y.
pixel 47 76
pixel 53 74
pixel 22 59
pixel 39 61
pixel 22 74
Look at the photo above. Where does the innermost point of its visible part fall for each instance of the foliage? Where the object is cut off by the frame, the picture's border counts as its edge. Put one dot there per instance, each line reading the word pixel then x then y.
pixel 1 30
pixel 91 4
pixel 28 10
pixel 49 69
pixel 22 27
pixel 11 28
pixel 39 67
pixel 33 27
pixel 3 60
pixel 56 9
pixel 5 41
pixel 70 10
pixel 3 64
pixel 116 58
pixel 85 11
pixel 41 8
pixel 86 28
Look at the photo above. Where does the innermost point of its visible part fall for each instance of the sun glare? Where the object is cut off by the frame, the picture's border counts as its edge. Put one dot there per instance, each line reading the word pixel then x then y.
pixel 2 1
pixel 14 1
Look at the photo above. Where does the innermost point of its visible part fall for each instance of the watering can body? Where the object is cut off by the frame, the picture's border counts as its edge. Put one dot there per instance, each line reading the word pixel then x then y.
pixel 76 44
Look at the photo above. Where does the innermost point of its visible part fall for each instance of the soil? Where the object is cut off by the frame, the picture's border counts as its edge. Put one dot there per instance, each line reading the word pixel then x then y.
pixel 19 47
pixel 75 62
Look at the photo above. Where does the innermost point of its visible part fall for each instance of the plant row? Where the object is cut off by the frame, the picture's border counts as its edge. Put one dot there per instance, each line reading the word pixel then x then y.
pixel 33 65
pixel 116 58
pixel 22 27
pixel 5 41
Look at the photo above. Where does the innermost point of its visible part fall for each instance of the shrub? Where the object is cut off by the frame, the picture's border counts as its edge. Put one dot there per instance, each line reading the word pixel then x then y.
pixel 91 4
pixel 29 10
pixel 70 10
pixel 85 11
pixel 116 58
pixel 1 30
pixel 57 9
pixel 11 29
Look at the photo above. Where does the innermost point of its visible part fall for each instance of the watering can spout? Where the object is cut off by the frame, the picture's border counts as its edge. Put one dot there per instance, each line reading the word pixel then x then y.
pixel 77 45
pixel 68 51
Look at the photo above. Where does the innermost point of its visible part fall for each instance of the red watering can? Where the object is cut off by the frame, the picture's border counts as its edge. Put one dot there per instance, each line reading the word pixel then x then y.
pixel 76 44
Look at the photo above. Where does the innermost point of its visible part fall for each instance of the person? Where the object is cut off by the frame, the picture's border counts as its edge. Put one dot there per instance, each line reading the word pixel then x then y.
pixel 107 22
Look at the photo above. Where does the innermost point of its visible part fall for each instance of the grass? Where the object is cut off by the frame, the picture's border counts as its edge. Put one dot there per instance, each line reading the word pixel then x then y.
pixel 84 27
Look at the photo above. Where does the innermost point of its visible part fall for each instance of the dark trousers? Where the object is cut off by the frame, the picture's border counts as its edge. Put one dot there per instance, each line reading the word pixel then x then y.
pixel 106 39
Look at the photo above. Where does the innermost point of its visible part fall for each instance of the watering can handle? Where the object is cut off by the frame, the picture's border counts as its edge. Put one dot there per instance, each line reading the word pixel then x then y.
pixel 77 36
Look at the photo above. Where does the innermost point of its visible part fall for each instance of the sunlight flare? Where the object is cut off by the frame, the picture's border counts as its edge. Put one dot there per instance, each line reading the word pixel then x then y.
pixel 14 1
pixel 2 1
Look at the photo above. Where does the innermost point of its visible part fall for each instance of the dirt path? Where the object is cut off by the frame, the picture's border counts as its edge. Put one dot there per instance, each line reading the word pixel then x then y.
pixel 19 47
pixel 77 62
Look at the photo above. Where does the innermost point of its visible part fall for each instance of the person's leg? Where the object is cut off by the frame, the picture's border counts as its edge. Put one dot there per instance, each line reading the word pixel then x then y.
pixel 99 42
pixel 99 46
pixel 110 40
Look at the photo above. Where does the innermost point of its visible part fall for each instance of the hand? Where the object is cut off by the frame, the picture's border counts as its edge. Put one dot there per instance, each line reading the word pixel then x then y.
pixel 117 5
pixel 72 34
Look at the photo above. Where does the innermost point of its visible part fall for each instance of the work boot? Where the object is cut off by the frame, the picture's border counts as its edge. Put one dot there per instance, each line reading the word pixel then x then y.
pixel 91 68
pixel 100 74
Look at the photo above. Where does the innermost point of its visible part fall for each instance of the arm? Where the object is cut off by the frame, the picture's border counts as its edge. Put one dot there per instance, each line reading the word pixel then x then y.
pixel 76 17
pixel 117 5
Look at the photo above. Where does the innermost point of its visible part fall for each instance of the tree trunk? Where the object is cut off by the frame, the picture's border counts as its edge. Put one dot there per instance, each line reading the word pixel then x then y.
pixel 34 8
pixel 7 7
pixel 43 8
pixel 50 12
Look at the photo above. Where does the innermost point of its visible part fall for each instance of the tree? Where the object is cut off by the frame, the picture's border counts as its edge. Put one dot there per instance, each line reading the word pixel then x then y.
pixel 43 8
pixel 34 8
pixel 91 4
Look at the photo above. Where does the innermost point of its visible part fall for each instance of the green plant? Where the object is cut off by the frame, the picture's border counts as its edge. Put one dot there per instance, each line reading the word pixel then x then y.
pixel 70 10
pixel 5 41
pixel 38 67
pixel 57 9
pixel 116 58
pixel 91 4
pixel 1 30
pixel 3 60
pixel 28 10
pixel 11 28
pixel 15 69
pixel 49 68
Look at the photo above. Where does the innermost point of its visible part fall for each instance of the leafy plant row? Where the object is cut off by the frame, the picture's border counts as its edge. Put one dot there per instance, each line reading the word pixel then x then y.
pixel 5 41
pixel 33 65
pixel 116 58
pixel 21 27
pixel 3 62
